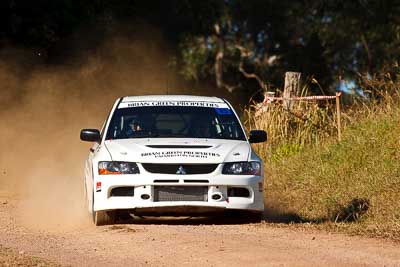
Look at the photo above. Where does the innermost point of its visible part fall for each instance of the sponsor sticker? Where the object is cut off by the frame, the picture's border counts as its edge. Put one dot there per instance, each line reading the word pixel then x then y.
pixel 223 111
pixel 98 186
pixel 134 104
pixel 181 154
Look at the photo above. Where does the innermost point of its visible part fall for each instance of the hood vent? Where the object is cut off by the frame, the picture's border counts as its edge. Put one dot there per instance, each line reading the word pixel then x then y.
pixel 177 146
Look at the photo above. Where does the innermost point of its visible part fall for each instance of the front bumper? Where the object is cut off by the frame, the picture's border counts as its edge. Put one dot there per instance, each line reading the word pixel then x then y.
pixel 145 184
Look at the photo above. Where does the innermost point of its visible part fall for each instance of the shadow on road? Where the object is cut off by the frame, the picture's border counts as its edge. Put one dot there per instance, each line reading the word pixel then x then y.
pixel 289 218
pixel 232 218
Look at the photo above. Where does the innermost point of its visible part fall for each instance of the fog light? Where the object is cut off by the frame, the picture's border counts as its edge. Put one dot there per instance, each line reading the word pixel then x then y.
pixel 216 196
pixel 238 192
pixel 145 196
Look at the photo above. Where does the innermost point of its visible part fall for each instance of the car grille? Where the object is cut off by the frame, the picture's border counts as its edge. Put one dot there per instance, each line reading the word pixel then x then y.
pixel 180 168
pixel 180 193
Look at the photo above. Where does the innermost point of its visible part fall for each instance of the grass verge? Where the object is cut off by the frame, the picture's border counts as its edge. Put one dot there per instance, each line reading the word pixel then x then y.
pixel 351 186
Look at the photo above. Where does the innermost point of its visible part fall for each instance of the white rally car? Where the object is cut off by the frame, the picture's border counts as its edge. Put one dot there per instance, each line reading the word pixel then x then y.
pixel 172 155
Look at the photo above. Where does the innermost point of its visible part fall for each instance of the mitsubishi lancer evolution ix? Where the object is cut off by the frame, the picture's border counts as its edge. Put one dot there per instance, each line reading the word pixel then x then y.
pixel 172 155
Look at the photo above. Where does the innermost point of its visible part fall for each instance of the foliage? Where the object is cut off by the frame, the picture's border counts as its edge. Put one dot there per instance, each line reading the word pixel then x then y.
pixel 49 27
pixel 324 39
pixel 196 55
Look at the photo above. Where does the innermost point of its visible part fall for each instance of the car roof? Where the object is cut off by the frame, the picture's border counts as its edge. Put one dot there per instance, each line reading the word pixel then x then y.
pixel 173 98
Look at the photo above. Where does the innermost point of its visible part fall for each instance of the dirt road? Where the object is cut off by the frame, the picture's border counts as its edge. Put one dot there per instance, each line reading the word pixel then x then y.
pixel 195 242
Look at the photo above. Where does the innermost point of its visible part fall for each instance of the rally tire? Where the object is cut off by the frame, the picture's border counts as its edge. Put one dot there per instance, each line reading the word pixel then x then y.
pixel 102 217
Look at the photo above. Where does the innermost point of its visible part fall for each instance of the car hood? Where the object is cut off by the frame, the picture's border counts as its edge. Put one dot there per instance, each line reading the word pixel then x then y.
pixel 173 150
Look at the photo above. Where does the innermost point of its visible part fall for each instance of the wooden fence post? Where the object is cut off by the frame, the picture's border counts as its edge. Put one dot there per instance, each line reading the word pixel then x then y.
pixel 339 124
pixel 292 88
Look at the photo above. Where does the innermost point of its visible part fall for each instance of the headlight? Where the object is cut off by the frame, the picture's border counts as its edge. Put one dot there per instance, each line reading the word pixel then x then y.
pixel 118 167
pixel 242 168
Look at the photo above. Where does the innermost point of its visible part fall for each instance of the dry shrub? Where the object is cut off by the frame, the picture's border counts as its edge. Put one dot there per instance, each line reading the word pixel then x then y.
pixel 314 123
pixel 351 212
pixel 307 122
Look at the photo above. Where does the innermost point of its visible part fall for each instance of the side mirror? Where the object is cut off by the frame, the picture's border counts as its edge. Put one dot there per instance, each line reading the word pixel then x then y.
pixel 90 135
pixel 257 136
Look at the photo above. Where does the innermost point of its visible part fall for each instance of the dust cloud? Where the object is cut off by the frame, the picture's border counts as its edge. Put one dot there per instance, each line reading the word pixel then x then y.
pixel 42 111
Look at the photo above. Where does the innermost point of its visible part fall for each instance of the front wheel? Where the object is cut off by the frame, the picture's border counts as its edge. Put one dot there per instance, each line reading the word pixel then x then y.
pixel 103 217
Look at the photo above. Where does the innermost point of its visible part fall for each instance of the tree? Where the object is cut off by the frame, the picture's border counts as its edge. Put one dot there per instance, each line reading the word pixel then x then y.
pixel 324 40
pixel 237 45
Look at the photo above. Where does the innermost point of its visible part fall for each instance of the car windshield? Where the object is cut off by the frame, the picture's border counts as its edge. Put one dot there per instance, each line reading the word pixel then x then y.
pixel 175 122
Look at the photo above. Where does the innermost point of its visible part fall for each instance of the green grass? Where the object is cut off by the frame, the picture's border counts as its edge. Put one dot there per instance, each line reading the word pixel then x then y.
pixel 319 183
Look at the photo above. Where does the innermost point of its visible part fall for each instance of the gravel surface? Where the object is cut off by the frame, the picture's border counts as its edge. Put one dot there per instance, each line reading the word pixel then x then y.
pixel 185 241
